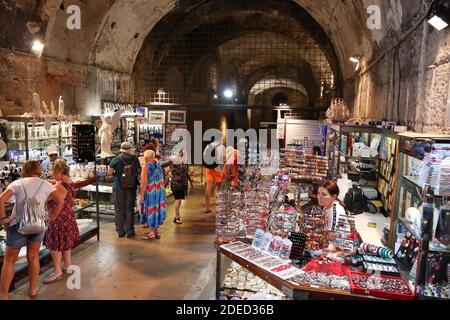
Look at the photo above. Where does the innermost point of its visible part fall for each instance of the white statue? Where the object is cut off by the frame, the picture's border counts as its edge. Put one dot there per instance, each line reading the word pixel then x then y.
pixel 109 125
pixel 52 106
pixel 61 107
pixel 36 105
pixel 45 112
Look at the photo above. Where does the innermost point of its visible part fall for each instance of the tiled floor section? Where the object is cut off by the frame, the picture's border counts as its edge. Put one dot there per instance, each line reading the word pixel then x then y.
pixel 181 263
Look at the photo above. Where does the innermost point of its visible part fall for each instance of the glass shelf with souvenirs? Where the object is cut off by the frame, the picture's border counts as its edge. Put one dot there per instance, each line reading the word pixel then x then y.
pixel 422 212
pixel 28 140
pixel 290 243
pixel 147 132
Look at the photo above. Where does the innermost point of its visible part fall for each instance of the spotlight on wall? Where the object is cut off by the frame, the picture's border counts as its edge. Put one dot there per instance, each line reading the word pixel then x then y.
pixel 228 93
pixel 37 47
pixel 357 60
pixel 439 17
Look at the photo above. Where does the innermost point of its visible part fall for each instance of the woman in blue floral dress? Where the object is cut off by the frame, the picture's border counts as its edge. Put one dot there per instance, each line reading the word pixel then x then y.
pixel 153 196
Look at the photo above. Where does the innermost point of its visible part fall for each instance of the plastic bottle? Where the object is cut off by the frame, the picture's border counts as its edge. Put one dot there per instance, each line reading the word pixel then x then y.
pixel 258 240
pixel 275 246
pixel 267 241
pixel 285 251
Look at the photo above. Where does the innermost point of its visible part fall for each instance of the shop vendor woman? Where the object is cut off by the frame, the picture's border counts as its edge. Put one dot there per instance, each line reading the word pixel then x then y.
pixel 328 199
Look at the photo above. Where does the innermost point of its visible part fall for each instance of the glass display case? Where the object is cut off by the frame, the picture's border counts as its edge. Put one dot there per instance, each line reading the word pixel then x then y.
pixel 32 143
pixel 28 140
pixel 422 191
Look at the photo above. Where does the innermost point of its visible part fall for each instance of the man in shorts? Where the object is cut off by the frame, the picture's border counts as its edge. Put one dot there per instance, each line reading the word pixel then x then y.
pixel 213 169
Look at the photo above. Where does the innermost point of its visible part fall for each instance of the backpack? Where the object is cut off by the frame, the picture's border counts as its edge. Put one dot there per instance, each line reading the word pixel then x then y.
pixel 354 200
pixel 33 220
pixel 213 154
pixel 128 179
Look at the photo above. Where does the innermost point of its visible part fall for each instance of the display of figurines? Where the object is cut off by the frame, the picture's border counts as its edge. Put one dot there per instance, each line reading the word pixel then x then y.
pixel 84 172
pixel 338 111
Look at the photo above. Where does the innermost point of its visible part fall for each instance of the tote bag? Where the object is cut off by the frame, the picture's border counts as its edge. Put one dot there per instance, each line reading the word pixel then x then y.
pixel 33 220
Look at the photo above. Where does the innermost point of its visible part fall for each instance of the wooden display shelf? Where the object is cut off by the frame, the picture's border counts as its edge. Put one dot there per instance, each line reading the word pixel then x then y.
pixel 296 292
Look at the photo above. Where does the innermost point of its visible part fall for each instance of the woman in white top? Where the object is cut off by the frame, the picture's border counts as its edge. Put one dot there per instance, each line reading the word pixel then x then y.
pixel 328 199
pixel 31 185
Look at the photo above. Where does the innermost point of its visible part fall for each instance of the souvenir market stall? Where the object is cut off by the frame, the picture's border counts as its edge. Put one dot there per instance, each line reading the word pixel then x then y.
pixel 280 249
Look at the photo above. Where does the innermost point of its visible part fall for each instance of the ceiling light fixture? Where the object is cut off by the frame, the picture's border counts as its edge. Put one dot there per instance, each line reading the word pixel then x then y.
pixel 439 17
pixel 37 47
pixel 356 59
pixel 228 93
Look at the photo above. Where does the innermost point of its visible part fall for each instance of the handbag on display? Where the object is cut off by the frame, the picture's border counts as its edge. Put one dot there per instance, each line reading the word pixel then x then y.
pixel 33 220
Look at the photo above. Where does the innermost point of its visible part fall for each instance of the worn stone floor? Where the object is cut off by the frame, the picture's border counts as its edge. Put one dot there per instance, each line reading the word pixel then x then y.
pixel 180 265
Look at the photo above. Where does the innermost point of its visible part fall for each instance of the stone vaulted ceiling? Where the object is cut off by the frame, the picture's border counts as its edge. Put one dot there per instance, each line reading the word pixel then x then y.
pixel 116 29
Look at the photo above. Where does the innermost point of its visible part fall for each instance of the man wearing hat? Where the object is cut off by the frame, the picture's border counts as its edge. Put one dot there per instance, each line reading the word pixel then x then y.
pixel 124 198
pixel 52 153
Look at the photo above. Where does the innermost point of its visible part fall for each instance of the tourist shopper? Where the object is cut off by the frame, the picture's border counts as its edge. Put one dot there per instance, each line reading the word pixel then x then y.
pixel 153 196
pixel 52 154
pixel 29 192
pixel 126 169
pixel 213 158
pixel 179 181
pixel 231 167
pixel 62 233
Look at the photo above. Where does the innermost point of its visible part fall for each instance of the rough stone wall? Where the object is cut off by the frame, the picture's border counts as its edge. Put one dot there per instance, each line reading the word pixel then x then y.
pixel 82 87
pixel 410 84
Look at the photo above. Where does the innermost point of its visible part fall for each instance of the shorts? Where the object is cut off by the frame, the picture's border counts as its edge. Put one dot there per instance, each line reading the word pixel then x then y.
pixel 16 240
pixel 212 175
pixel 179 193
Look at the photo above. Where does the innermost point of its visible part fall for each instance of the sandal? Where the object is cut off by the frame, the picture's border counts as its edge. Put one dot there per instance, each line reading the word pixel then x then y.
pixel 158 234
pixel 177 220
pixel 53 278
pixel 150 235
